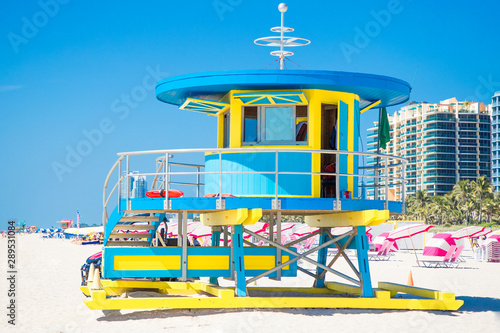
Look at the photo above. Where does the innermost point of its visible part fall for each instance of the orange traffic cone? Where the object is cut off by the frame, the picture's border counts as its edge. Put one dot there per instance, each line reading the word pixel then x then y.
pixel 410 279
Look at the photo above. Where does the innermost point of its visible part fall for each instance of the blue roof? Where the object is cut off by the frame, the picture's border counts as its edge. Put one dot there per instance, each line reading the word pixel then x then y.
pixel 214 85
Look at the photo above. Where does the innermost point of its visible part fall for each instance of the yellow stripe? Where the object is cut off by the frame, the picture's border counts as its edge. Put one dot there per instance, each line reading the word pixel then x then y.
pixel 263 262
pixel 139 263
pixel 370 106
pixel 208 262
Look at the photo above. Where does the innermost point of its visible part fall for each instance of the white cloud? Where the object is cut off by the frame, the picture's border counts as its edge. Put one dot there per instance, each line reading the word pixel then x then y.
pixel 10 88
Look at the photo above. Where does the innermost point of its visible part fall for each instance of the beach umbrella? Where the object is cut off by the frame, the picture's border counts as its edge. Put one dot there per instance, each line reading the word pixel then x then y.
pixel 439 245
pixel 408 232
pixel 467 232
pixel 482 233
pixel 201 231
pixel 305 230
pixel 258 228
pixel 494 236
pixel 380 239
pixel 340 230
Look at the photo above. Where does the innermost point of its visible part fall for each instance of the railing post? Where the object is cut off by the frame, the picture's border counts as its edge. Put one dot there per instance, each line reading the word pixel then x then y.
pixel 337 181
pixel 166 181
pixel 119 187
pixel 220 175
pixel 386 204
pixel 197 182
pixel 276 179
pixel 128 183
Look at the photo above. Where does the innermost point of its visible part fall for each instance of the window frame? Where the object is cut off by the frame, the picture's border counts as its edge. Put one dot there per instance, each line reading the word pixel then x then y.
pixel 261 118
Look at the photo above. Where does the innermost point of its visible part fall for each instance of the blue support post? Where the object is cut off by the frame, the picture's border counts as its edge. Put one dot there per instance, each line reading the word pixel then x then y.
pixel 361 241
pixel 239 261
pixel 322 253
pixel 215 243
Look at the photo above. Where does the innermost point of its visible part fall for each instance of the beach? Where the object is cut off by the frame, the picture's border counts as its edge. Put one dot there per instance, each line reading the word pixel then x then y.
pixel 49 299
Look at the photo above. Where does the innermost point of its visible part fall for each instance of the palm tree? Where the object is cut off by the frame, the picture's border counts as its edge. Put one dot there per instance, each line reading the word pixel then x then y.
pixel 462 191
pixel 482 189
pixel 440 205
pixel 422 201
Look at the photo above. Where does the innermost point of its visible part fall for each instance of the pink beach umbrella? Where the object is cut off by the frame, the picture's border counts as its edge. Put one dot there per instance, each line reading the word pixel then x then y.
pixel 380 239
pixel 496 237
pixel 482 233
pixel 439 245
pixel 201 231
pixel 408 232
pixel 305 230
pixel 467 232
pixel 258 228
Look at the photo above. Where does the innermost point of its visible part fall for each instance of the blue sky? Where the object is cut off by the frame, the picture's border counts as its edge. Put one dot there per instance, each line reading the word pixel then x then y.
pixel 66 66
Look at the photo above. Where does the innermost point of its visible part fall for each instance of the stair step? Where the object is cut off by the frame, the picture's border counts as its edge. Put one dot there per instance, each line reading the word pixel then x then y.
pixel 139 219
pixel 130 235
pixel 128 243
pixel 134 227
pixel 152 211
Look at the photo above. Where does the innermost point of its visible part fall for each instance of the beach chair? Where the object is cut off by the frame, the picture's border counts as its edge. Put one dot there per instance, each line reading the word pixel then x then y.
pixel 383 253
pixel 454 262
pixel 434 263
pixel 492 252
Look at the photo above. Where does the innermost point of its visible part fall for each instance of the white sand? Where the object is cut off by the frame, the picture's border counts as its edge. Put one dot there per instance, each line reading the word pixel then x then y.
pixel 49 300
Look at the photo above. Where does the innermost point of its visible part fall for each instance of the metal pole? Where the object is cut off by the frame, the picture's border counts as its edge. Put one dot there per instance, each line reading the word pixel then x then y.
pixel 197 182
pixel 119 186
pixel 375 185
pixel 282 58
pixel 166 185
pixel 220 175
pixel 278 251
pixel 184 245
pixel 276 180
pixel 128 183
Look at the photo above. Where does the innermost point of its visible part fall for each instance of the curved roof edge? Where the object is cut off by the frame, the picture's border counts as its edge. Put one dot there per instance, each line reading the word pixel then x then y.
pixel 214 85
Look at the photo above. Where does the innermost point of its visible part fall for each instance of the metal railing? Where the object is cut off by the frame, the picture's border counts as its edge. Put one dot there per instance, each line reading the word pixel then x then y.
pixel 381 179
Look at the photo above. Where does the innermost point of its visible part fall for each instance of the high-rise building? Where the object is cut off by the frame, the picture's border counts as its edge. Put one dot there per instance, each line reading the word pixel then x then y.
pixel 495 138
pixel 443 142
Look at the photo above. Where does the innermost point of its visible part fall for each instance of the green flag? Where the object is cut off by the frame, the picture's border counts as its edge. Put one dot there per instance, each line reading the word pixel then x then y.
pixel 384 129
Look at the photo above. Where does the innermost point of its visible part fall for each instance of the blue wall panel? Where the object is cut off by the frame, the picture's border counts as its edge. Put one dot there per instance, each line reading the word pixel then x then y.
pixel 259 184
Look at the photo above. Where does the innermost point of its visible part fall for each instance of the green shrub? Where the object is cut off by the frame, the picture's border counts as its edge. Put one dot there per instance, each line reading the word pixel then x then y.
pixel 488 224
pixel 447 225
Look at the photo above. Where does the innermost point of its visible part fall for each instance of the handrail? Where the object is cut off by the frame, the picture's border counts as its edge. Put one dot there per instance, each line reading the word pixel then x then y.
pixel 104 199
pixel 164 164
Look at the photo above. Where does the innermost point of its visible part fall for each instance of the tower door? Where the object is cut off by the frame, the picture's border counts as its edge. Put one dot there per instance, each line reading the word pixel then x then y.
pixel 328 142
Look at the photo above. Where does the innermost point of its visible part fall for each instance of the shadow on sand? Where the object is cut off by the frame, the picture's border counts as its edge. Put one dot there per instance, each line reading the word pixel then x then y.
pixel 471 304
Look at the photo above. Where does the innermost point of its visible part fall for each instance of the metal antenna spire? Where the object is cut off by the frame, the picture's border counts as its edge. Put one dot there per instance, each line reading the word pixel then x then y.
pixel 282 41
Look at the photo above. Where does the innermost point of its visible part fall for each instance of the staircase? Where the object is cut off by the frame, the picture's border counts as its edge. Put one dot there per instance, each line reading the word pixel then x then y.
pixel 137 231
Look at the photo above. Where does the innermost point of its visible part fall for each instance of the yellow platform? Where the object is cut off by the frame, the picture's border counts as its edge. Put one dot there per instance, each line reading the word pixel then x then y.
pixel 203 295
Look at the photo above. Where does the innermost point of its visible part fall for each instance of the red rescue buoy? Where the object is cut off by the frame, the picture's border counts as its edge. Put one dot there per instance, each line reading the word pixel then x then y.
pixel 158 194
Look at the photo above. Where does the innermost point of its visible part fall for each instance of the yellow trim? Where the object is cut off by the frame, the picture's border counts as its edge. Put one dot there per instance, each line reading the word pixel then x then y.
pixel 224 298
pixel 196 100
pixel 314 98
pixel 139 263
pixel 208 262
pixel 348 219
pixel 254 215
pixel 369 107
pixel 225 217
pixel 263 262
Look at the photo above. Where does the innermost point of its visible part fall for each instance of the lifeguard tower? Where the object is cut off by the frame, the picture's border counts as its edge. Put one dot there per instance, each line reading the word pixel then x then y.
pixel 287 145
